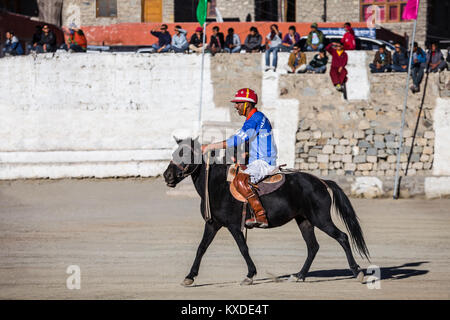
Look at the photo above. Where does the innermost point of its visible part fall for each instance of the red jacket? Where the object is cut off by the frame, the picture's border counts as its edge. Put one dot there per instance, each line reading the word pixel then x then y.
pixel 348 40
pixel 337 61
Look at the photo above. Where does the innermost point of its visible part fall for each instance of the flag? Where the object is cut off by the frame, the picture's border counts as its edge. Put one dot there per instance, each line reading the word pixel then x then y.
pixel 201 11
pixel 411 9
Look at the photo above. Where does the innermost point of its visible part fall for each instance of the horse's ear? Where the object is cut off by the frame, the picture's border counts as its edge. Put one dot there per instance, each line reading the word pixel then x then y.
pixel 177 140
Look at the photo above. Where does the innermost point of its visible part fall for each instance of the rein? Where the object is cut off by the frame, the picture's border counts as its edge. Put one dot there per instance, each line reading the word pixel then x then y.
pixel 207 215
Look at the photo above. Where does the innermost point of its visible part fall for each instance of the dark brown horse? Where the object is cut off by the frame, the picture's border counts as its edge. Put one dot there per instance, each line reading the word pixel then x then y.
pixel 302 197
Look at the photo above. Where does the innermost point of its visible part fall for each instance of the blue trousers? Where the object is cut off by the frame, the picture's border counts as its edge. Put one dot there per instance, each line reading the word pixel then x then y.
pixel 273 50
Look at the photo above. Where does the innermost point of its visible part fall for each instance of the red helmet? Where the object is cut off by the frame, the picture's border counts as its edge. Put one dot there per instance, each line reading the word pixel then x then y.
pixel 245 95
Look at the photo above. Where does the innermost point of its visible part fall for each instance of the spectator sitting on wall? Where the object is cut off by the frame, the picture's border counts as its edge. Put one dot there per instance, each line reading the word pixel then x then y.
pixel 164 39
pixel 290 39
pixel 338 73
pixel 47 43
pixel 76 40
pixel 232 42
pixel 273 43
pixel 319 63
pixel 348 40
pixel 448 58
pixel 179 41
pixel 253 41
pixel 36 38
pixel 217 42
pixel 400 59
pixel 297 61
pixel 315 39
pixel 382 61
pixel 196 42
pixel 435 59
pixel 12 45
pixel 419 59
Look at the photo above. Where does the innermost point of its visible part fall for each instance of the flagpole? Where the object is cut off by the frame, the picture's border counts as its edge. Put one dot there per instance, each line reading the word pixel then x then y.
pixel 201 79
pixel 397 171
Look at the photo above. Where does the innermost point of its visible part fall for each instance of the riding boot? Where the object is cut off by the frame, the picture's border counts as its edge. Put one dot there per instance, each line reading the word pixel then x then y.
pixel 241 182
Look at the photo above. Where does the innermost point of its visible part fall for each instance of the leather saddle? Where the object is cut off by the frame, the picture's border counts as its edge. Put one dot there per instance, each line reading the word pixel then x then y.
pixel 269 184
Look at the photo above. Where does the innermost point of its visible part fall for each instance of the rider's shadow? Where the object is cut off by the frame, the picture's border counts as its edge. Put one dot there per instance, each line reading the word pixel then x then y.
pixel 392 273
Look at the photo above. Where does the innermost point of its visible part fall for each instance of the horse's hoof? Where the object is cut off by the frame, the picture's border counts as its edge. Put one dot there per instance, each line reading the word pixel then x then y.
pixel 293 278
pixel 247 282
pixel 360 276
pixel 187 282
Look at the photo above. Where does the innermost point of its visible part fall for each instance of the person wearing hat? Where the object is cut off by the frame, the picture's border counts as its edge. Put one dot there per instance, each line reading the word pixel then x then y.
pixel 196 42
pixel 76 40
pixel 257 131
pixel 315 39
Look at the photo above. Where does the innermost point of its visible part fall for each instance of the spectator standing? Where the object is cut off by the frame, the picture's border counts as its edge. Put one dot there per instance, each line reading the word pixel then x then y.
pixel 315 39
pixel 217 42
pixel 435 59
pixel 76 40
pixel 290 39
pixel 348 40
pixel 382 61
pixel 12 45
pixel 400 59
pixel 338 73
pixel 196 42
pixel 273 42
pixel 164 39
pixel 319 63
pixel 47 43
pixel 179 41
pixel 419 59
pixel 253 41
pixel 232 42
pixel 297 61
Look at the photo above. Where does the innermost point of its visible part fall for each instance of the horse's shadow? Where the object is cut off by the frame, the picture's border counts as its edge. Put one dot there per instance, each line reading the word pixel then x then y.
pixel 392 273
pixel 404 271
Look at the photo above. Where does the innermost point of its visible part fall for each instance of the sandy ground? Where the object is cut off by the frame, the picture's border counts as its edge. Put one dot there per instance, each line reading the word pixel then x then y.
pixel 133 241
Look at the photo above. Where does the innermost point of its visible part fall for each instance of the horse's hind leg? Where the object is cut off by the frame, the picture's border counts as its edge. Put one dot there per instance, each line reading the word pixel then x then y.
pixel 323 221
pixel 208 235
pixel 240 240
pixel 312 245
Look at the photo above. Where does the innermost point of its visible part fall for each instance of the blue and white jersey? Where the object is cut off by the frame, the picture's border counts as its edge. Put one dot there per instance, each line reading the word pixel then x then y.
pixel 258 131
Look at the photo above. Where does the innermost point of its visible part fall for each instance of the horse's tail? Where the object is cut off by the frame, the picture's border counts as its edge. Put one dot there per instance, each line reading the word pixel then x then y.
pixel 348 216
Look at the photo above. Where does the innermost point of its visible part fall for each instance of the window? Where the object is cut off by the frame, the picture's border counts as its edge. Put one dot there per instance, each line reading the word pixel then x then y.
pixel 107 8
pixel 386 10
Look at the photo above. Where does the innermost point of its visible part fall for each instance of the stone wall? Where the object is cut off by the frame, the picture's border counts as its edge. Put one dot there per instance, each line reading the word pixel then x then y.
pixel 83 12
pixel 236 8
pixel 106 114
pixel 336 137
pixel 349 10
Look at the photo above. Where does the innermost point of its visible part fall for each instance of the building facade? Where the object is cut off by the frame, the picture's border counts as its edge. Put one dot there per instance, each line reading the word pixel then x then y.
pixel 433 14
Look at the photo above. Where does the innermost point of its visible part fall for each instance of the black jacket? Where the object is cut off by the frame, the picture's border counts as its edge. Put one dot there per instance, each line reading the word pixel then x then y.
pixel 49 39
pixel 218 41
pixel 400 59
pixel 196 41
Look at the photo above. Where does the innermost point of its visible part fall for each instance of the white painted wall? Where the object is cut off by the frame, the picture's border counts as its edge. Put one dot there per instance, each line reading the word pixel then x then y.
pixel 97 114
pixel 104 114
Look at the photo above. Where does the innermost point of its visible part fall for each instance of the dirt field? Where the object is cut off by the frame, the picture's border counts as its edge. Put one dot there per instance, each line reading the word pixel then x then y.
pixel 133 241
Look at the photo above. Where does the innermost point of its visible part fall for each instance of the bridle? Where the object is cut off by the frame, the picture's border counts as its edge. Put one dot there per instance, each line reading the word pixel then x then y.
pixel 185 172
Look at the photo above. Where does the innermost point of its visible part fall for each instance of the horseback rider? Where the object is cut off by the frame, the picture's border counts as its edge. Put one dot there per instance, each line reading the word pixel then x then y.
pixel 257 131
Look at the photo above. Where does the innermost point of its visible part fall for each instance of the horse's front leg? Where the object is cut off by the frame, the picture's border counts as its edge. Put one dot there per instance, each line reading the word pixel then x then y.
pixel 240 240
pixel 209 233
